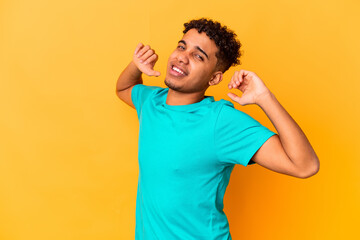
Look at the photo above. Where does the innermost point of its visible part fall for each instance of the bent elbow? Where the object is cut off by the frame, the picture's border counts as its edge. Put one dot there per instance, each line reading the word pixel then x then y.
pixel 311 171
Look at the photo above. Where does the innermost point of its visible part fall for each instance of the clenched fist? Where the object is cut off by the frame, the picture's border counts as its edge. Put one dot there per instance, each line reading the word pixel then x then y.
pixel 145 59
pixel 252 87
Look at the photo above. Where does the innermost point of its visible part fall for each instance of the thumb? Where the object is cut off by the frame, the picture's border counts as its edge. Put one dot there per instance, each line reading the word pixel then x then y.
pixel 155 73
pixel 236 98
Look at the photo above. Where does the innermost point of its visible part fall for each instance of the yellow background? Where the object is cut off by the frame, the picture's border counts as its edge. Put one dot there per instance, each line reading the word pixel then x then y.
pixel 68 145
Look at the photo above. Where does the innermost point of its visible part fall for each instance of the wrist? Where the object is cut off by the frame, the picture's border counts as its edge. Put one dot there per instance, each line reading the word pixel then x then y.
pixel 265 98
pixel 136 72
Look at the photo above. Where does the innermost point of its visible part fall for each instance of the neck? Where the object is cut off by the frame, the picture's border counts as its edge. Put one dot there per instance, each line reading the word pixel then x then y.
pixel 179 98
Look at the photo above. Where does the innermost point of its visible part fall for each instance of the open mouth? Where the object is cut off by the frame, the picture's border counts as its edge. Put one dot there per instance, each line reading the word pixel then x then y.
pixel 177 71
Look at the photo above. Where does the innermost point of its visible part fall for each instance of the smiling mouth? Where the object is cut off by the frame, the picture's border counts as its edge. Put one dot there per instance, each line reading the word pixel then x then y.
pixel 177 70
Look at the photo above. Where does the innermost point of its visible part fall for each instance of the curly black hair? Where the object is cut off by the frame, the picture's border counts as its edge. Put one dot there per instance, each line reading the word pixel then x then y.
pixel 225 39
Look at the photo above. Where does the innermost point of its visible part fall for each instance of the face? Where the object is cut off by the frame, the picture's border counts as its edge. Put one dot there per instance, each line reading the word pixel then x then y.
pixel 191 67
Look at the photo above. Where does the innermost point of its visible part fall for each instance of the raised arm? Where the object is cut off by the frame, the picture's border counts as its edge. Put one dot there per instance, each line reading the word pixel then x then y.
pixel 289 152
pixel 144 59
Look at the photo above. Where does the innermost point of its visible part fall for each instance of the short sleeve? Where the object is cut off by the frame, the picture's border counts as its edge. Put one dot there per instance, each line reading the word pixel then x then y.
pixel 238 136
pixel 139 94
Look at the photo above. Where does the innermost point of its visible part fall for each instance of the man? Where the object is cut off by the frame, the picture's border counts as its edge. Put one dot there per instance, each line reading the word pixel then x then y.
pixel 189 143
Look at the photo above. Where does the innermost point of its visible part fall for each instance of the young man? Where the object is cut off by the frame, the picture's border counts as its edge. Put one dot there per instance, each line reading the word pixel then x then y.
pixel 189 143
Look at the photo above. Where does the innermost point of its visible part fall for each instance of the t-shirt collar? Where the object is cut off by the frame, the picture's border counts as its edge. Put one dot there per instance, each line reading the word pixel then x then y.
pixel 206 100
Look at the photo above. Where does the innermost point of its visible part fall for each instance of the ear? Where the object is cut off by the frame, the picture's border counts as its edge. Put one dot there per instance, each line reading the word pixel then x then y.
pixel 216 78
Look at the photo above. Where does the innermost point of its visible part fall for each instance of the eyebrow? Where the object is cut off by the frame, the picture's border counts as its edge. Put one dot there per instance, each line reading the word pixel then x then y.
pixel 197 47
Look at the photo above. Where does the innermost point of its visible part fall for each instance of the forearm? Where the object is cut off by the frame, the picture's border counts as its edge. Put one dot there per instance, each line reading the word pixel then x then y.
pixel 130 76
pixel 292 138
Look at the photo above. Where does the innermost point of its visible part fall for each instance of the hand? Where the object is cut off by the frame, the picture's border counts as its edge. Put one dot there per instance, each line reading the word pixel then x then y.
pixel 252 87
pixel 145 59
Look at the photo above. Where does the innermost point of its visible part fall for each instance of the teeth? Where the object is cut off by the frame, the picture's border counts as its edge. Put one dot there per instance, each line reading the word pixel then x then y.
pixel 178 70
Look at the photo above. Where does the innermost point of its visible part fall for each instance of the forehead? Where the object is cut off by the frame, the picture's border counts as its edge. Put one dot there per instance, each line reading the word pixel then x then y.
pixel 195 39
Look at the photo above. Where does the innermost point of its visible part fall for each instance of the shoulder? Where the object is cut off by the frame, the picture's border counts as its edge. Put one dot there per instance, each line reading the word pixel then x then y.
pixel 141 92
pixel 230 118
pixel 227 109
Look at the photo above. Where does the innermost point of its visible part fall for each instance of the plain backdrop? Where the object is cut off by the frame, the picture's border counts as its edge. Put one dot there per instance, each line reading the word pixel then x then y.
pixel 68 145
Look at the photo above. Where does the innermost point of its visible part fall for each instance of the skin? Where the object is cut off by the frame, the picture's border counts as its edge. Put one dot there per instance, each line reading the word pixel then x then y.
pixel 289 152
pixel 195 54
pixel 199 67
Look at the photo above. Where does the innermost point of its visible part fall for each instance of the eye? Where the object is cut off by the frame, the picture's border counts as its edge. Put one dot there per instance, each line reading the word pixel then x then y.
pixel 199 57
pixel 180 47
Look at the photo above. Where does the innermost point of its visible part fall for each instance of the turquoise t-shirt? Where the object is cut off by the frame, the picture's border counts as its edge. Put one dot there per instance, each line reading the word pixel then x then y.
pixel 186 155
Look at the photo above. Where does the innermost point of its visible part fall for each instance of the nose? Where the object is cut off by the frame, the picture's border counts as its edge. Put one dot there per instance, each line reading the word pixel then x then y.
pixel 183 57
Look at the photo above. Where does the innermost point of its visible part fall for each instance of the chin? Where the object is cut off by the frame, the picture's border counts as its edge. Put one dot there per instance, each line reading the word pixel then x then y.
pixel 172 85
